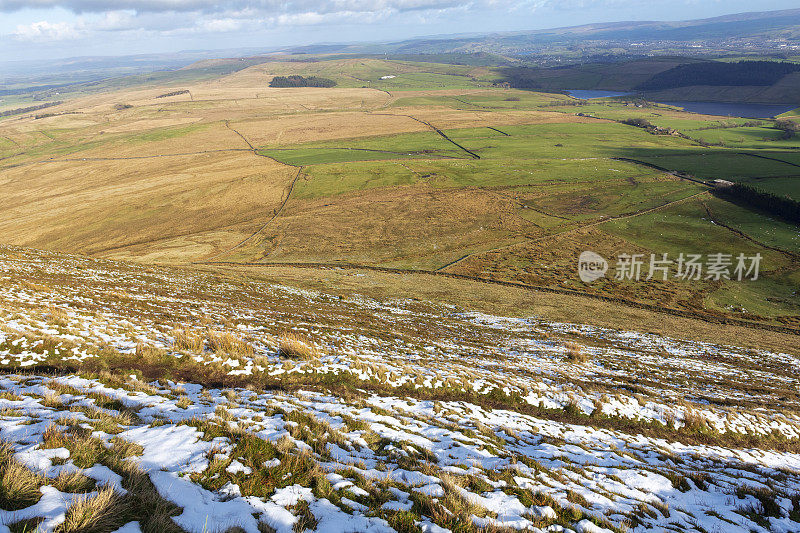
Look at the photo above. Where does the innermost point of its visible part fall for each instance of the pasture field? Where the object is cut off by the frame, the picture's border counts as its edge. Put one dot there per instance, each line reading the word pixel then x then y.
pixel 781 186
pixel 713 164
pixel 434 169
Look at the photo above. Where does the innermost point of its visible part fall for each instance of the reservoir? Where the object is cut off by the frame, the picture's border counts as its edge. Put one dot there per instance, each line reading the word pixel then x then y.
pixel 734 110
pixel 725 109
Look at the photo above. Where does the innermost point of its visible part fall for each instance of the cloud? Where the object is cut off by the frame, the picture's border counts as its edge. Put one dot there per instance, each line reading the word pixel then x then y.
pixel 44 31
pixel 213 6
pixel 100 6
pixel 255 21
pixel 221 25
pixel 209 17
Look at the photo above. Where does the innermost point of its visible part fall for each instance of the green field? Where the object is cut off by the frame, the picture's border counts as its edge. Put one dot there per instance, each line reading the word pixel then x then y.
pixel 507 99
pixel 713 164
pixel 318 156
pixel 780 186
pixel 337 178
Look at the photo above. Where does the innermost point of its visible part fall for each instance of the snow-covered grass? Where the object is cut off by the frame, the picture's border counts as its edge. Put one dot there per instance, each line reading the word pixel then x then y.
pixel 128 388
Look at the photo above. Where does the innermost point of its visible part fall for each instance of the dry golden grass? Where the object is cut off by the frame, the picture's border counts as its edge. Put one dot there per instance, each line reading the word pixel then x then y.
pixel 101 512
pixel 57 316
pixel 147 351
pixel 52 400
pixel 115 204
pixel 179 208
pixel 158 136
pixel 19 486
pixel 374 228
pixel 323 126
pixel 162 207
pixel 188 340
pixel 694 420
pixel 72 482
pixel 229 344
pixel 575 353
pixel 294 346
pixel 104 421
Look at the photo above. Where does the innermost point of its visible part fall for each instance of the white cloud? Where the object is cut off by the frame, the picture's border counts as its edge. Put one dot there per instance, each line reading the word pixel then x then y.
pixel 214 6
pixel 209 17
pixel 300 19
pixel 138 20
pixel 44 31
pixel 221 25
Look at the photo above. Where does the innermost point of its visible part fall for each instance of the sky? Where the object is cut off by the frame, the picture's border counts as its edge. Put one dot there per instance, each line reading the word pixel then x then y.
pixel 46 29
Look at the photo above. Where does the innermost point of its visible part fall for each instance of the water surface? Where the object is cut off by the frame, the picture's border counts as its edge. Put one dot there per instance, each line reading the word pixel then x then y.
pixel 725 109
pixel 588 95
pixel 734 109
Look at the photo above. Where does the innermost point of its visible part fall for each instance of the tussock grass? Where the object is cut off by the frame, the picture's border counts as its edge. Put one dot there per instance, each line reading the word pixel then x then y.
pixel 72 482
pixel 350 387
pixel 295 346
pixel 57 316
pixel 52 400
pixel 575 353
pixel 144 503
pixel 124 415
pixel 104 511
pixel 26 526
pixel 227 343
pixel 10 396
pixel 306 520
pixel 186 340
pixel 107 511
pixel 19 486
pixel 126 381
pixel 294 467
pixel 105 421
pixel 767 503
pixel 695 421
pixel 147 351
pixel 455 501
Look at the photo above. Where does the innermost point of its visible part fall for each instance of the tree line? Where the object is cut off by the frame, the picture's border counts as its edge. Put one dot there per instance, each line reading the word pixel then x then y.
pixel 716 73
pixel 301 81
pixel 747 195
pixel 19 110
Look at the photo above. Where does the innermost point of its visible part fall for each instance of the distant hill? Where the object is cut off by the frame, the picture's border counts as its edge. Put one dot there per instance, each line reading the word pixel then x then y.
pixel 670 79
pixel 770 25
pixel 716 73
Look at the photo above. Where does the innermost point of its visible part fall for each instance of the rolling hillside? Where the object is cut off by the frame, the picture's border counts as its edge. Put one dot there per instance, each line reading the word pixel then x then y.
pixel 227 307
